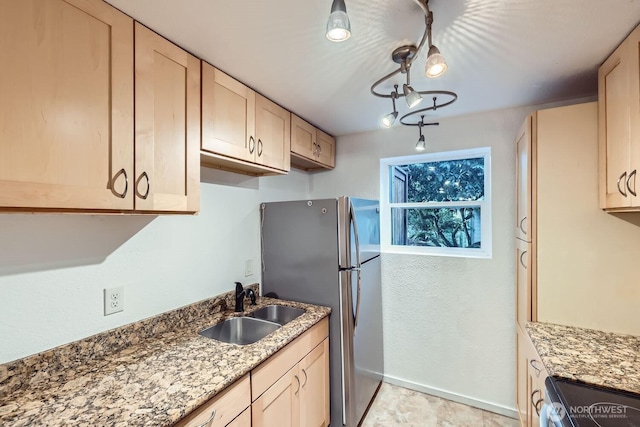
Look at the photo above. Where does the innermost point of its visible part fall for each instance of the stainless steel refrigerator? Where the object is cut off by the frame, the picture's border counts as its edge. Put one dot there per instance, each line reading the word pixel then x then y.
pixel 327 252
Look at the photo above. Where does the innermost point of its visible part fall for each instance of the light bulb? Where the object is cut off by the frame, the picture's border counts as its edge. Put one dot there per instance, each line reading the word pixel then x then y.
pixel 338 25
pixel 420 145
pixel 436 65
pixel 389 119
pixel 412 97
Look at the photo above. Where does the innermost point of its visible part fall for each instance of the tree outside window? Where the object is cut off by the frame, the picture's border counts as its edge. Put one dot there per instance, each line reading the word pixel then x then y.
pixel 437 203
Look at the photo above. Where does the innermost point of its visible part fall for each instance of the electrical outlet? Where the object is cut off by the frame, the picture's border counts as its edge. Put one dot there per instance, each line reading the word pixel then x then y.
pixel 248 268
pixel 113 300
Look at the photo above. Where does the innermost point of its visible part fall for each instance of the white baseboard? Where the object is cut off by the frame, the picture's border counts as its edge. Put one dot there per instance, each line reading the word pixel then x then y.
pixel 476 403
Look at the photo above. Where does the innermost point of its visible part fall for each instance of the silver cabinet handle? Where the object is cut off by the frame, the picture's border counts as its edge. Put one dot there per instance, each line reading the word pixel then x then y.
pixel 520 225
pixel 126 183
pixel 537 405
pixel 252 144
pixel 146 194
pixel 259 147
pixel 632 174
pixel 315 149
pixel 535 402
pixel 213 415
pixel 622 178
pixel 298 390
pixel 521 259
pixel 319 149
pixel 533 363
pixel 305 377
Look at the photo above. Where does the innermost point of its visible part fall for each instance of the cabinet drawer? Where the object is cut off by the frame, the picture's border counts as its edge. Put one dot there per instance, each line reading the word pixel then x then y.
pixel 277 365
pixel 227 406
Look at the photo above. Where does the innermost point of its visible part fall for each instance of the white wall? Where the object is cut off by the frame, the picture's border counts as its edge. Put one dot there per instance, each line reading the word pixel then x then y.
pixel 448 322
pixel 53 268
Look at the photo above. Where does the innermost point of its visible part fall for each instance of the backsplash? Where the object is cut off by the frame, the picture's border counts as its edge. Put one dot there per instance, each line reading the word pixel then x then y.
pixel 70 358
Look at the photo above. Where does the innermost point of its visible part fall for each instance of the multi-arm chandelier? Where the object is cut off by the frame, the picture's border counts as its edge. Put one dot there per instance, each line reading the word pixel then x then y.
pixel 339 29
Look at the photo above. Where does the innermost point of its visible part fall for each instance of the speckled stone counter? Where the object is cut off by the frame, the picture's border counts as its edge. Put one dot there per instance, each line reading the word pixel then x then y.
pixel 595 357
pixel 150 373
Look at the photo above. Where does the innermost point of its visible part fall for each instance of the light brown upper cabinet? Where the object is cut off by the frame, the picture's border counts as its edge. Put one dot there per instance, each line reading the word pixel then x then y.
pixel 311 149
pixel 167 128
pixel 619 126
pixel 66 115
pixel 242 131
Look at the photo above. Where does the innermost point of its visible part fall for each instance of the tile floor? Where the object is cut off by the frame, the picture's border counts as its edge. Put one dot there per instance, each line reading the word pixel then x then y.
pixel 397 406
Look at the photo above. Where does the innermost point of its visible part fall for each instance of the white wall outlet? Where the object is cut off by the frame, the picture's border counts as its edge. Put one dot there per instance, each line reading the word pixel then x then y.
pixel 113 300
pixel 248 268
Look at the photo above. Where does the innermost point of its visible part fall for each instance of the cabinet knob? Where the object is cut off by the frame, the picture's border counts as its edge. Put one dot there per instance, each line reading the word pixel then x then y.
pixel 126 183
pixel 622 178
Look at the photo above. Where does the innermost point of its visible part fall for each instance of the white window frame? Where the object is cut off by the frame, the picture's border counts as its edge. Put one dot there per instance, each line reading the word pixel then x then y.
pixel 485 251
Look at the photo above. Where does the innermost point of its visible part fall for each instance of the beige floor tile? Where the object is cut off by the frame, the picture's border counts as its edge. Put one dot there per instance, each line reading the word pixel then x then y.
pixel 397 406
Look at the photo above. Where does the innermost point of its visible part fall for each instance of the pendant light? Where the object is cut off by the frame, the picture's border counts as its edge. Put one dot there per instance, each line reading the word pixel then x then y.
pixel 338 25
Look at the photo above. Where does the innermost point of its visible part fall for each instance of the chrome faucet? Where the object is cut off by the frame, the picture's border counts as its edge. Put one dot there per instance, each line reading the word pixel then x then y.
pixel 240 294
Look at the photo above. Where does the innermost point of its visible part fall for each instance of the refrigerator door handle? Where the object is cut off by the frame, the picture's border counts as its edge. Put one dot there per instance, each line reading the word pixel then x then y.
pixel 358 266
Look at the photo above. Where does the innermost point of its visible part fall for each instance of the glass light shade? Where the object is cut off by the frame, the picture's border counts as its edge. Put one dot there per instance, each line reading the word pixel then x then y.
pixel 436 65
pixel 421 146
pixel 338 26
pixel 389 119
pixel 412 97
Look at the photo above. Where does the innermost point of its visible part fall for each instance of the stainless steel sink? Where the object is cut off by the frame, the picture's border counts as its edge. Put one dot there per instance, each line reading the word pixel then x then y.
pixel 240 330
pixel 278 313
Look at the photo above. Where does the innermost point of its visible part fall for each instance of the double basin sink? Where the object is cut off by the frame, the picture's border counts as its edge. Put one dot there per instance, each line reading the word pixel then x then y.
pixel 253 327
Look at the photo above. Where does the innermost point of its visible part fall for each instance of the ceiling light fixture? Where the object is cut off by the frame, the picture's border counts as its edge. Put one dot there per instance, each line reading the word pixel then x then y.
pixel 338 25
pixel 420 145
pixel 389 119
pixel 435 67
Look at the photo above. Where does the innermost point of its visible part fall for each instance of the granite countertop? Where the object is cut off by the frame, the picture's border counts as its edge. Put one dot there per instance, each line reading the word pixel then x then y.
pixel 595 357
pixel 153 382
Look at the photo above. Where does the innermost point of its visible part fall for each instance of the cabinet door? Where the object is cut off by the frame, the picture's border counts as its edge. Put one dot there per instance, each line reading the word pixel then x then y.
pixel 228 115
pixel 303 138
pixel 242 420
pixel 280 404
pixel 326 147
pixel 314 399
pixel 66 116
pixel 167 125
pixel 614 132
pixel 521 377
pixel 524 288
pixel 273 130
pixel 524 179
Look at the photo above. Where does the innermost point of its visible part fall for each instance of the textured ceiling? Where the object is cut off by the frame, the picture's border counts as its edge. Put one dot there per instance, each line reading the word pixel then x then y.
pixel 501 53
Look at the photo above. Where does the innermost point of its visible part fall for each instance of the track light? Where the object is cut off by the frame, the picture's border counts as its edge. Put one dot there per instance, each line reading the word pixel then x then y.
pixel 412 97
pixel 420 145
pixel 436 65
pixel 338 25
pixel 389 119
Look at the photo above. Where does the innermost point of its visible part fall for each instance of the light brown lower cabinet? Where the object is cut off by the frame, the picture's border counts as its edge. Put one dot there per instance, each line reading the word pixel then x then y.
pixel 242 420
pixel 530 375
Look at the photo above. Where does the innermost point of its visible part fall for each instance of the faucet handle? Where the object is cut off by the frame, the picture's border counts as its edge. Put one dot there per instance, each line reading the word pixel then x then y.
pixel 239 287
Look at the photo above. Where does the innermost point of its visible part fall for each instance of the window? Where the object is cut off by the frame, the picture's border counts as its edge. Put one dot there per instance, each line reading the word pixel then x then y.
pixel 437 203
